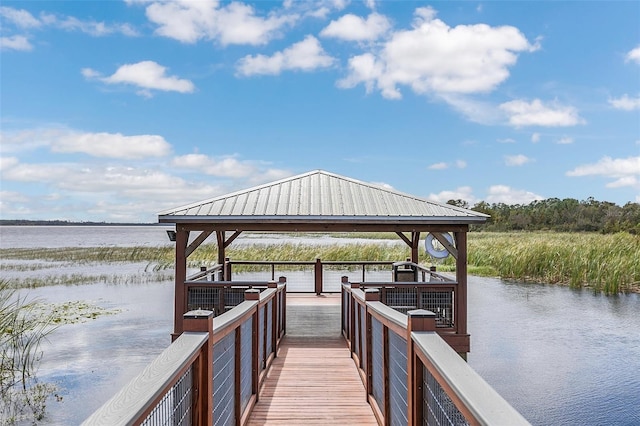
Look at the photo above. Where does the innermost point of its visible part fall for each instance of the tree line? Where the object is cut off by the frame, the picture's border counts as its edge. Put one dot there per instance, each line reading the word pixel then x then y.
pixel 554 214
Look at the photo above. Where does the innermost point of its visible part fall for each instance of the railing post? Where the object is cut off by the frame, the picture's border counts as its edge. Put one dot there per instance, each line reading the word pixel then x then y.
pixel 417 320
pixel 202 321
pixel 283 280
pixel 254 294
pixel 318 276
pixel 274 319
pixel 370 295
pixel 344 280
pixel 226 269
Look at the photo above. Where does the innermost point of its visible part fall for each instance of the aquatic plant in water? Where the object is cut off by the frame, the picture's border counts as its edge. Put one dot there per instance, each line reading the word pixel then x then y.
pixel 22 396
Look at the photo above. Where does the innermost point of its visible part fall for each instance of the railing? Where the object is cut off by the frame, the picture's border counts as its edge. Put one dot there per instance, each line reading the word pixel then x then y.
pixel 211 374
pixel 321 274
pixel 412 376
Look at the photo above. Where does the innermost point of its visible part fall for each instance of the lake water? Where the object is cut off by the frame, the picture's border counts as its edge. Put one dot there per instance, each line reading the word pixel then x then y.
pixel 559 356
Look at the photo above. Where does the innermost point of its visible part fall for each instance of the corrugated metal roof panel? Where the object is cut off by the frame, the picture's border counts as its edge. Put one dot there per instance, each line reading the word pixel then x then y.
pixel 319 194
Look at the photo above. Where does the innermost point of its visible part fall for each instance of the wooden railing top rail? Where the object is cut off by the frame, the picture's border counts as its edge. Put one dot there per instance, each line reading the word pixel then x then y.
pixel 390 317
pixel 204 273
pixel 407 284
pixel 232 319
pixel 227 322
pixel 229 283
pixel 145 390
pixel 485 405
pixel 310 262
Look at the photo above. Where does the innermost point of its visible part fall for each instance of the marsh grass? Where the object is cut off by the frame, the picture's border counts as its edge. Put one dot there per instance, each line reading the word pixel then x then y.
pixel 607 263
pixel 82 279
pixel 22 397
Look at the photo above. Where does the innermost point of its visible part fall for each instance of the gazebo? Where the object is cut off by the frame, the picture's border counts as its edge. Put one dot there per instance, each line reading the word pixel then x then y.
pixel 318 201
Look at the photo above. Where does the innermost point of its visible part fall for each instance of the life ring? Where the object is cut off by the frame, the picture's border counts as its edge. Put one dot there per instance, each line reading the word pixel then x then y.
pixel 432 250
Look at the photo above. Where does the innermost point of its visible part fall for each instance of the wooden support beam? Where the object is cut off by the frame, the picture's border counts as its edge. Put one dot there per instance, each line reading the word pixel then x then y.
pixel 445 243
pixel 196 243
pixel 235 235
pixel 404 238
pixel 415 241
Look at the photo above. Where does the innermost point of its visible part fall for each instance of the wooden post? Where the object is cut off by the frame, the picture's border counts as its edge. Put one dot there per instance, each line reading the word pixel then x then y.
pixel 180 303
pixel 221 251
pixel 202 321
pixel 227 269
pixel 254 294
pixel 373 295
pixel 274 319
pixel 283 280
pixel 318 277
pixel 461 291
pixel 417 320
pixel 415 242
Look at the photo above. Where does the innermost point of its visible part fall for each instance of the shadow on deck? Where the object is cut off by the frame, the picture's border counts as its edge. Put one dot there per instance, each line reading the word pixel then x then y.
pixel 313 381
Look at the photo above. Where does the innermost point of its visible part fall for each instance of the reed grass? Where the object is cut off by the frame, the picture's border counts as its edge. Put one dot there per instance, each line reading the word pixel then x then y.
pixel 608 263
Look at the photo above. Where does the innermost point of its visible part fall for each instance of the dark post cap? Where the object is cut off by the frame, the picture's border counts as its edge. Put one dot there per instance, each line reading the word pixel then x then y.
pixel 198 314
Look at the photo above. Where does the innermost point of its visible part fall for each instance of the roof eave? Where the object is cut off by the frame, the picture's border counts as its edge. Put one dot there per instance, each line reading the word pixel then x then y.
pixel 324 220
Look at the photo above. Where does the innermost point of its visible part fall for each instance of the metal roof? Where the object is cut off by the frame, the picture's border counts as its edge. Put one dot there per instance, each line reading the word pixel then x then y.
pixel 319 196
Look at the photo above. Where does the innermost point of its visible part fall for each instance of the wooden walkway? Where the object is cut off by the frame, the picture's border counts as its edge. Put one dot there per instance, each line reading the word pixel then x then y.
pixel 313 381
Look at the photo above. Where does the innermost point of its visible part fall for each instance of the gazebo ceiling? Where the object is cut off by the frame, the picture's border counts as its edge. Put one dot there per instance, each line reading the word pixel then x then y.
pixel 319 201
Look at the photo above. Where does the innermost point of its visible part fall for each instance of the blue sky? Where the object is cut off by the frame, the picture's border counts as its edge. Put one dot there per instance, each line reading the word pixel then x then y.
pixel 114 111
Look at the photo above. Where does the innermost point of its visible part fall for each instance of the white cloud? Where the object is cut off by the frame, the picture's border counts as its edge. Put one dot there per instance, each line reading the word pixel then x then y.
pixel 507 195
pixel 535 137
pixel 565 140
pixel 113 145
pixel 633 55
pixel 535 113
pixel 435 58
pixel 25 20
pixel 625 172
pixel 626 103
pixel 8 162
pixel 506 140
pixel 105 145
pixel 462 193
pixel 227 167
pixel 306 55
pixel 147 75
pixel 475 110
pixel 460 164
pixel 516 160
pixel 223 167
pixel 232 23
pixel 355 28
pixel 14 197
pixel 438 166
pixel 16 42
pixel 93 28
pixel 19 17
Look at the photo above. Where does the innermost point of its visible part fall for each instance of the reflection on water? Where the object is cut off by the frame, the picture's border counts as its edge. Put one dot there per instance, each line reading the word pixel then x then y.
pixel 90 362
pixel 560 356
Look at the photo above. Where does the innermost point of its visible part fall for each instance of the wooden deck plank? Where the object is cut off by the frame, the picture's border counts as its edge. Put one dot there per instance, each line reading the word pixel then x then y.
pixel 313 381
